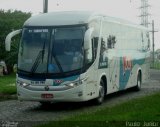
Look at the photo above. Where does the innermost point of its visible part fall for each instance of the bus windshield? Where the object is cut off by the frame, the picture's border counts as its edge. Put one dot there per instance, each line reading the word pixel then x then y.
pixel 51 50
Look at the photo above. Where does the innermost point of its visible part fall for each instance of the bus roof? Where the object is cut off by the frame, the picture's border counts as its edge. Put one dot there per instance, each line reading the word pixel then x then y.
pixel 59 18
pixel 72 18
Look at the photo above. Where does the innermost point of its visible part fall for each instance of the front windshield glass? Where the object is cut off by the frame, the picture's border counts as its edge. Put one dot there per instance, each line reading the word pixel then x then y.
pixel 67 53
pixel 33 51
pixel 51 50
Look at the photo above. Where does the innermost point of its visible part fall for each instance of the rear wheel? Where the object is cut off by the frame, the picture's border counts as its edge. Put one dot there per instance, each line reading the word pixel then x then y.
pixel 101 96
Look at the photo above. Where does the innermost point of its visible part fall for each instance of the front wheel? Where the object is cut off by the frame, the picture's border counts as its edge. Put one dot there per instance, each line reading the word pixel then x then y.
pixel 138 86
pixel 99 100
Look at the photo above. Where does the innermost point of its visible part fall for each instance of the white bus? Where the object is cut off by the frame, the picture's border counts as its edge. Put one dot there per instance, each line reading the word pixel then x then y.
pixel 79 56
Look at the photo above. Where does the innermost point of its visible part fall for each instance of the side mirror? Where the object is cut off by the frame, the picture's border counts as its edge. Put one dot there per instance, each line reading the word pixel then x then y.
pixel 9 37
pixel 87 39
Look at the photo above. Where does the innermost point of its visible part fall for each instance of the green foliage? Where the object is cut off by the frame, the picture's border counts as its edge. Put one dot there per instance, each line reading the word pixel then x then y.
pixel 156 65
pixel 9 21
pixel 7 84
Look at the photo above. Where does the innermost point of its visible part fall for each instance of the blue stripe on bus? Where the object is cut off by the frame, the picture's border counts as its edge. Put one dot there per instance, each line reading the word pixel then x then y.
pixel 123 80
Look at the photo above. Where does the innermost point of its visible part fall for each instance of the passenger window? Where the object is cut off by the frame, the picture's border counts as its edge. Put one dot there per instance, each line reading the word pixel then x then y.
pixel 103 60
pixel 103 45
pixel 111 41
pixel 94 46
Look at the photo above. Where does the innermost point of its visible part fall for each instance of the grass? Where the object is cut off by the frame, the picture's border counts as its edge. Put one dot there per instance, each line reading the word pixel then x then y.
pixel 156 65
pixel 142 109
pixel 7 84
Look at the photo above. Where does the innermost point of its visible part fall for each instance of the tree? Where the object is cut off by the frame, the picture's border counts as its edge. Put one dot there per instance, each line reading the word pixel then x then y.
pixel 9 21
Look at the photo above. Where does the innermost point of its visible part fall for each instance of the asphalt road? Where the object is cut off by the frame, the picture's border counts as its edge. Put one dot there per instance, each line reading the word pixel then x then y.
pixel 32 113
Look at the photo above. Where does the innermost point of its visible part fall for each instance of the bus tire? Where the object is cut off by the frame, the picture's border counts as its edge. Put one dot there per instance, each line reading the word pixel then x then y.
pixel 139 82
pixel 99 100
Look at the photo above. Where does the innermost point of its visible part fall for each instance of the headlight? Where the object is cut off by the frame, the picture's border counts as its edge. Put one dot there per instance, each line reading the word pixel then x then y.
pixel 25 84
pixel 74 84
pixel 22 84
pixel 71 85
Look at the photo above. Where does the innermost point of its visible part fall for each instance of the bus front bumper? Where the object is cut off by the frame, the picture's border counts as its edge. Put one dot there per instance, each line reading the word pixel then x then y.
pixel 76 94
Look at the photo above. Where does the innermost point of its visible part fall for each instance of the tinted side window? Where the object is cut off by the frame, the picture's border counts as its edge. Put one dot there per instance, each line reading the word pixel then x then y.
pixel 111 41
pixel 94 46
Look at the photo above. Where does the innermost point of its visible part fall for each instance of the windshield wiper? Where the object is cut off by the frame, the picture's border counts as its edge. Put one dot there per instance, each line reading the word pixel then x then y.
pixel 38 58
pixel 58 64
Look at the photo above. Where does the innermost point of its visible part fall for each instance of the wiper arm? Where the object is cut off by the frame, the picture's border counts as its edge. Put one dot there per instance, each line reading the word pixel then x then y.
pixel 37 61
pixel 58 64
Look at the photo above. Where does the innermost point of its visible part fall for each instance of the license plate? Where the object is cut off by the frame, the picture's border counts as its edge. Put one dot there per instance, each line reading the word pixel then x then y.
pixel 47 96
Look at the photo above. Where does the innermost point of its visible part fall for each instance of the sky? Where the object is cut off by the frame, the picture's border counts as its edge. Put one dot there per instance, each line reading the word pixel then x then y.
pixel 125 9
